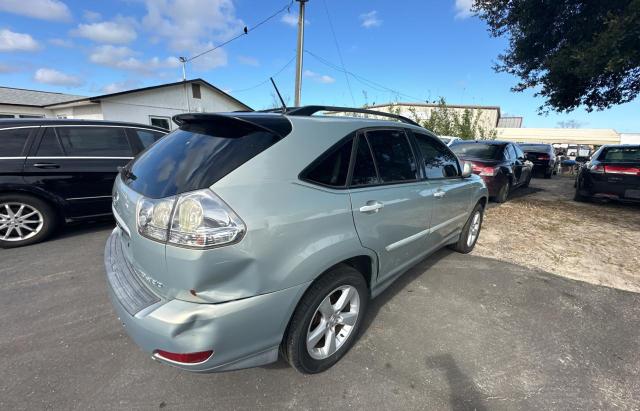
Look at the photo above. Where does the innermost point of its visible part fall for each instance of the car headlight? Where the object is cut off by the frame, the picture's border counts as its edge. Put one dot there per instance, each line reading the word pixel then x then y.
pixel 198 219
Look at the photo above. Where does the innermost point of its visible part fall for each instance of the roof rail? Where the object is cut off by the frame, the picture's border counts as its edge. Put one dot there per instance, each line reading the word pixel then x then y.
pixel 310 110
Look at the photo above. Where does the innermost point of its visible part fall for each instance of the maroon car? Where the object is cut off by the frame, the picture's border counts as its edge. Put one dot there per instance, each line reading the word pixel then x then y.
pixel 501 164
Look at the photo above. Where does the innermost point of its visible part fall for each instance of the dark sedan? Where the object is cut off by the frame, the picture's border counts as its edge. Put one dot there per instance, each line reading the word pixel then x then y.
pixel 501 164
pixel 613 173
pixel 542 156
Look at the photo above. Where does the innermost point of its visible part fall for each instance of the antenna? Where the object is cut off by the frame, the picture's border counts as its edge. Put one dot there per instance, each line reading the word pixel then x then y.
pixel 284 106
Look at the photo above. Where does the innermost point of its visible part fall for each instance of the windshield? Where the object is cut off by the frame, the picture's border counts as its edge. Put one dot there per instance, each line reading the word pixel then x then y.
pixel 190 160
pixel 478 150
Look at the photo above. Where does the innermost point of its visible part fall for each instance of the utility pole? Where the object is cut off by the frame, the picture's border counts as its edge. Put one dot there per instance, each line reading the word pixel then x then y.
pixel 300 52
pixel 183 60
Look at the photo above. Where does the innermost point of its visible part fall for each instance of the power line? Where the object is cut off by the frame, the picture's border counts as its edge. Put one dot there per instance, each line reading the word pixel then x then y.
pixel 267 79
pixel 363 80
pixel 244 32
pixel 335 40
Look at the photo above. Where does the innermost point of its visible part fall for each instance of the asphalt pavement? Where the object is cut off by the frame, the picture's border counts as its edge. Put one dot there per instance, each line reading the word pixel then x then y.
pixel 456 332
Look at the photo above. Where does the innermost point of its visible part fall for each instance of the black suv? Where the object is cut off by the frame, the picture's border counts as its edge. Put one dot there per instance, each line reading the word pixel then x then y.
pixel 543 157
pixel 54 171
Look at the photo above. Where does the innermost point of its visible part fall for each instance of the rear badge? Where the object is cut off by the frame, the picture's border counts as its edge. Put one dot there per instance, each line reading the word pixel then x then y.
pixel 150 280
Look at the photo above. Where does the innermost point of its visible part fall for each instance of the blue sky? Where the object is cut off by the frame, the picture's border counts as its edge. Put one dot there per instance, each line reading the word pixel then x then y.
pixel 412 50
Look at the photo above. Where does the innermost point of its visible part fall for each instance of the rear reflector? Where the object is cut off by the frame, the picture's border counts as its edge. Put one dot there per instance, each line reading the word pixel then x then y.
pixel 186 358
pixel 634 171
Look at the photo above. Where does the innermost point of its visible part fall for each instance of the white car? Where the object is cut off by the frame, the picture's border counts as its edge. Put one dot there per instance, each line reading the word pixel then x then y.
pixel 448 140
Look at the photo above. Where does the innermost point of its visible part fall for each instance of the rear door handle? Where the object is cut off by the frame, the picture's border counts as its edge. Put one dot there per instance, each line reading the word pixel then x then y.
pixel 46 165
pixel 439 194
pixel 371 207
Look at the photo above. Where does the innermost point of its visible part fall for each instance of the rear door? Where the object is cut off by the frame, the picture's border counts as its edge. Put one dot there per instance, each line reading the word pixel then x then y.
pixel 78 164
pixel 450 192
pixel 388 199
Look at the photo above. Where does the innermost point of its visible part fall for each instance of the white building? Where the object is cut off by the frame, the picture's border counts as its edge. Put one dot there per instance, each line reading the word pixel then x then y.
pixel 150 105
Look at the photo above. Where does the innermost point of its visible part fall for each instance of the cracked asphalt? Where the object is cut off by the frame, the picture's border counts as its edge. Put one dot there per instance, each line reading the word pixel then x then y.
pixel 456 332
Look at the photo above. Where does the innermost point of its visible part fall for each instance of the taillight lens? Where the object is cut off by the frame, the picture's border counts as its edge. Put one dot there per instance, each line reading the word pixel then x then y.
pixel 596 168
pixel 543 157
pixel 484 170
pixel 198 219
pixel 184 358
pixel 633 171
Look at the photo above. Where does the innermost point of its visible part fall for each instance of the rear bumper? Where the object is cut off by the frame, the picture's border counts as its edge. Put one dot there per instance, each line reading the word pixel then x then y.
pixel 610 187
pixel 242 333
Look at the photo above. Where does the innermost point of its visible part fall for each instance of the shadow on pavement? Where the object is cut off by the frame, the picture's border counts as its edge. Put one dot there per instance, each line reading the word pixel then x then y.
pixel 463 393
pixel 80 228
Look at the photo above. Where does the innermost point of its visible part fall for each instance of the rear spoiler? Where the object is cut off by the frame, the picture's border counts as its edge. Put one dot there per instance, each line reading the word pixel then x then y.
pixel 233 125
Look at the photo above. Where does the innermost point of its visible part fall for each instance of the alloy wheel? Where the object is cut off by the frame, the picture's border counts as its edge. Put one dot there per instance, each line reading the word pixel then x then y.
pixel 474 229
pixel 333 322
pixel 19 221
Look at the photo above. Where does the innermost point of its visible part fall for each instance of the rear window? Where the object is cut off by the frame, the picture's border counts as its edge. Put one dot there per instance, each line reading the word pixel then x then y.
pixel 12 141
pixel 621 155
pixel 194 158
pixel 478 150
pixel 540 148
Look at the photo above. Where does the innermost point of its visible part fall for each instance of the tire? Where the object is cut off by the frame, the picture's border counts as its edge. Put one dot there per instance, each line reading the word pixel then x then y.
pixel 503 194
pixel 309 317
pixel 468 238
pixel 548 174
pixel 40 223
pixel 577 196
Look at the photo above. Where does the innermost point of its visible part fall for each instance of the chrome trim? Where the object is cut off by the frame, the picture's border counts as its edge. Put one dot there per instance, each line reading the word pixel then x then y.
pixel 13 158
pixel 422 233
pixel 86 198
pixel 121 223
pixel 13 128
pixel 80 158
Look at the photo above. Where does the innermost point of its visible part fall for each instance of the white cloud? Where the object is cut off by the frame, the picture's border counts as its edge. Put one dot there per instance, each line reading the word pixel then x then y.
pixel 463 9
pixel 320 78
pixel 56 78
pixel 191 26
pixel 370 19
pixel 290 18
pixel 92 16
pixel 61 42
pixel 120 31
pixel 12 41
pixel 39 9
pixel 124 58
pixel 249 61
pixel 119 86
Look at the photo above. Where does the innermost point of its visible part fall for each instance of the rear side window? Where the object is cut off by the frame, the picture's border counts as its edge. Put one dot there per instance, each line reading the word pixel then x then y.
pixel 192 158
pixel 364 169
pixel 439 161
pixel 331 170
pixel 509 153
pixel 147 137
pixel 94 141
pixel 393 156
pixel 49 145
pixel 621 155
pixel 12 141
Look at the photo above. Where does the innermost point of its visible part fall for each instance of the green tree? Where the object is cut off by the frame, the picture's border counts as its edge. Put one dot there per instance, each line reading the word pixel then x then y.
pixel 571 52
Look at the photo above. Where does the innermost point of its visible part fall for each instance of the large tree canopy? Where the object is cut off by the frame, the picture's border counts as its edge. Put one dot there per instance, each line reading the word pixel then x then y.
pixel 571 52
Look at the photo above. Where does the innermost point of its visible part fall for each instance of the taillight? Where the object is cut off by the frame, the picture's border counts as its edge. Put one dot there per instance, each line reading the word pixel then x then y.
pixel 633 171
pixel 484 170
pixel 198 219
pixel 184 358
pixel 596 168
pixel 543 157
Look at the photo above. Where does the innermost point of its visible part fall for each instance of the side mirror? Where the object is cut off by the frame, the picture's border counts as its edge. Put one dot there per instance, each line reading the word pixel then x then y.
pixel 467 170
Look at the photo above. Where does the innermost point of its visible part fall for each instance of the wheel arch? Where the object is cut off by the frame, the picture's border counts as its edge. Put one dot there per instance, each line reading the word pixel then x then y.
pixel 56 203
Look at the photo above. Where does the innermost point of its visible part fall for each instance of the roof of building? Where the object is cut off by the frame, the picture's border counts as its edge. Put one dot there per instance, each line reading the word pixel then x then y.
pixel 33 98
pixel 400 103
pixel 137 90
pixel 510 122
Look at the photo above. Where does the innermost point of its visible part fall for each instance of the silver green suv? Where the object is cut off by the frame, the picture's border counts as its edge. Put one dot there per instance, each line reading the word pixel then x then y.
pixel 244 235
